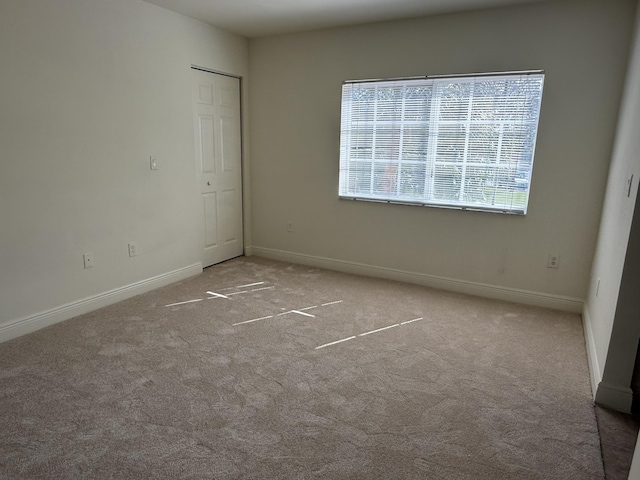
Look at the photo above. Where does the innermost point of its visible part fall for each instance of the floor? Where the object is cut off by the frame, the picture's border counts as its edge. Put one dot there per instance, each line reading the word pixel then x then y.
pixel 618 433
pixel 261 369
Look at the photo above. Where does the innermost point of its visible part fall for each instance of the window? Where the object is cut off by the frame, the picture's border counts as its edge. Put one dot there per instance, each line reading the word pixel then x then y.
pixel 462 142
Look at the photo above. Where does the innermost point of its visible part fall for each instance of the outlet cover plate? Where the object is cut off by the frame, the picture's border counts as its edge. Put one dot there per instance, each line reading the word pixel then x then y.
pixel 88 260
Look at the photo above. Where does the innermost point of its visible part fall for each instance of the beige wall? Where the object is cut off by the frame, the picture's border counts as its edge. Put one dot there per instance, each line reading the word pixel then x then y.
pixel 89 90
pixel 612 311
pixel 294 120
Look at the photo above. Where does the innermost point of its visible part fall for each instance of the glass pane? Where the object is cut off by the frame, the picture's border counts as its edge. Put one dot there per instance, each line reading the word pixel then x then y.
pixel 483 143
pixel 385 179
pixel 362 104
pixel 359 178
pixel 389 103
pixel 517 144
pixel 476 188
pixel 451 143
pixel 361 144
pixel 412 181
pixel 417 105
pixel 454 101
pixel 415 143
pixel 387 143
pixel 447 182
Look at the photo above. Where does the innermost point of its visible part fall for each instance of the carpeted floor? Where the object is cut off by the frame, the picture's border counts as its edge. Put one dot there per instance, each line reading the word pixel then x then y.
pixel 264 370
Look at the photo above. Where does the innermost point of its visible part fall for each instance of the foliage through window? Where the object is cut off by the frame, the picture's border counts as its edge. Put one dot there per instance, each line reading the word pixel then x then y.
pixel 452 141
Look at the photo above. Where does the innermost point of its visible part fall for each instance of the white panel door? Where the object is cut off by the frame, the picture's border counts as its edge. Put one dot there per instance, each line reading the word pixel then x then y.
pixel 216 106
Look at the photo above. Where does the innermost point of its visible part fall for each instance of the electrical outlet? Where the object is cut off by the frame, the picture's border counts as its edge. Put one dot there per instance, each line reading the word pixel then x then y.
pixel 153 163
pixel 553 261
pixel 289 226
pixel 133 249
pixel 88 260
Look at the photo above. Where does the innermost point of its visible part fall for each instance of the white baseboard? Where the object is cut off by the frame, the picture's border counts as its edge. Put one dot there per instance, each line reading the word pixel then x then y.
pixel 248 251
pixel 556 302
pixel 592 355
pixel 615 397
pixel 40 320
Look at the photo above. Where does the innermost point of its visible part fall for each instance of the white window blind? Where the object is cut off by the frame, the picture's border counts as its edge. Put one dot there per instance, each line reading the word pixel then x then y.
pixel 458 141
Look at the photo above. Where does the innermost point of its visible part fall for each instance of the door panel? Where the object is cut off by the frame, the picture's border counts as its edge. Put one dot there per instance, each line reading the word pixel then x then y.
pixel 230 208
pixel 205 93
pixel 218 158
pixel 229 143
pixel 210 219
pixel 207 163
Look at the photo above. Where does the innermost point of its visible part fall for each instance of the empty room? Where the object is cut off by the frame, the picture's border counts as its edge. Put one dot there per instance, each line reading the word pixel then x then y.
pixel 356 239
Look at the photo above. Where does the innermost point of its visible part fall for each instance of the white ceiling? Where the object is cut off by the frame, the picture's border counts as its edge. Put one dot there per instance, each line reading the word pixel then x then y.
pixel 254 18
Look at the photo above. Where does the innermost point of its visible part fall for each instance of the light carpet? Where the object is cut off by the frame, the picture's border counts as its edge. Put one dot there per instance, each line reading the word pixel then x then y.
pixel 257 369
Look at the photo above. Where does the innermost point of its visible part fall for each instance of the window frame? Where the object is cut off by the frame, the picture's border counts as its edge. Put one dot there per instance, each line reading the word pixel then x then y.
pixel 432 158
